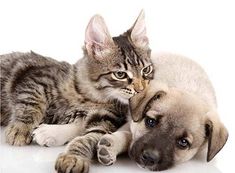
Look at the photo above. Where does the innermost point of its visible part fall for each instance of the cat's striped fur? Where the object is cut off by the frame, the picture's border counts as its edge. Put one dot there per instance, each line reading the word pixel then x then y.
pixel 37 89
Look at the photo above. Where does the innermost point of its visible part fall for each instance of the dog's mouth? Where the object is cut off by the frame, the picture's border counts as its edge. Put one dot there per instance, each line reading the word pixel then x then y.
pixel 150 162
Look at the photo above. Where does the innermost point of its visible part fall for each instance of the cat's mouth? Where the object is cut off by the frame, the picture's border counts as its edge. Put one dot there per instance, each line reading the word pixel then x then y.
pixel 128 92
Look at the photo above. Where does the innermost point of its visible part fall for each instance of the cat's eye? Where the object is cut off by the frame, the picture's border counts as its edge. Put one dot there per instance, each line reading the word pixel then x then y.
pixel 147 70
pixel 120 75
pixel 182 143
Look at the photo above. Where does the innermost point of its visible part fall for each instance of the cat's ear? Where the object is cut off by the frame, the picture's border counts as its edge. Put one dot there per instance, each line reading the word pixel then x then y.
pixel 97 39
pixel 138 31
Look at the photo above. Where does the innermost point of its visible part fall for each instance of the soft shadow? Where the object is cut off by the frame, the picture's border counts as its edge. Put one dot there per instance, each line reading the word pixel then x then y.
pixel 124 164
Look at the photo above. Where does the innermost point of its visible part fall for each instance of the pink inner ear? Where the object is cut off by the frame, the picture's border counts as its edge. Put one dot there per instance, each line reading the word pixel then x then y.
pixel 138 33
pixel 92 39
pixel 97 33
pixel 142 41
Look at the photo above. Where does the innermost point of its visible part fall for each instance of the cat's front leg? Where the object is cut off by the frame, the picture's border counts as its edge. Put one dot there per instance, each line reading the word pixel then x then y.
pixel 18 133
pixel 111 145
pixel 56 134
pixel 78 154
pixel 28 112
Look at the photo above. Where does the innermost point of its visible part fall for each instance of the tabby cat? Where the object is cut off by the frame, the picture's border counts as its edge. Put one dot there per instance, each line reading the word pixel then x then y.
pixel 91 94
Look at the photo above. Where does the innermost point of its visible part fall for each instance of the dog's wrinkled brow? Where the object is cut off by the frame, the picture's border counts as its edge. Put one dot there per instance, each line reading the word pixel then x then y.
pixel 150 103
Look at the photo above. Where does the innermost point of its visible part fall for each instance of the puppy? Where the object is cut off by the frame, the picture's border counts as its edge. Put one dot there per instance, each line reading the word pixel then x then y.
pixel 174 119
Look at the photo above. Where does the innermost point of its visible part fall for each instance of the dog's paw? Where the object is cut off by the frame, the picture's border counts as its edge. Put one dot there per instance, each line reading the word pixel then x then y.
pixel 47 135
pixel 71 163
pixel 105 150
pixel 18 134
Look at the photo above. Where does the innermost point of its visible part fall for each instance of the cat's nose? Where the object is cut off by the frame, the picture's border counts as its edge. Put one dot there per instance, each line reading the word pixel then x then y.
pixel 138 85
pixel 139 89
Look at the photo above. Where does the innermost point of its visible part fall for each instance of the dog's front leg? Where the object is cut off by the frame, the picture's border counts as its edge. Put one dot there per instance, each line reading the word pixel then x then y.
pixel 111 145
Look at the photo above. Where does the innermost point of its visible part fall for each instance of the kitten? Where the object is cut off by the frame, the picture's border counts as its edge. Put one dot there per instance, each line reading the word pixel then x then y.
pixel 88 99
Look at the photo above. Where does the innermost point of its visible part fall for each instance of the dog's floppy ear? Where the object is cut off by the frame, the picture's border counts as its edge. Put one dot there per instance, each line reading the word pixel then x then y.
pixel 140 101
pixel 217 135
pixel 137 105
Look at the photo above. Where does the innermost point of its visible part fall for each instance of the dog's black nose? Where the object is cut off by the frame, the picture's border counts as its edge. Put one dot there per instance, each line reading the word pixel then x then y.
pixel 150 157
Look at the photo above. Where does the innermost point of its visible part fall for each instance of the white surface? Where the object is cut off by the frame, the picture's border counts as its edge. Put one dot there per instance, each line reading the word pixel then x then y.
pixel 202 30
pixel 38 159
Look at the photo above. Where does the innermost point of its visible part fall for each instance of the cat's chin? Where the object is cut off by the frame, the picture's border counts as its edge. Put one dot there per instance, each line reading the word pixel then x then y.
pixel 120 97
pixel 123 97
pixel 118 94
pixel 123 100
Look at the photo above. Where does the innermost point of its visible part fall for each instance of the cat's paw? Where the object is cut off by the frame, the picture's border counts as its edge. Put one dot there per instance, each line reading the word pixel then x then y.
pixel 47 135
pixel 18 134
pixel 71 163
pixel 106 150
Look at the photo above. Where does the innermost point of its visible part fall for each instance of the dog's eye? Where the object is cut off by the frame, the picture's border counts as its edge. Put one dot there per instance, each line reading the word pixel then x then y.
pixel 183 143
pixel 150 122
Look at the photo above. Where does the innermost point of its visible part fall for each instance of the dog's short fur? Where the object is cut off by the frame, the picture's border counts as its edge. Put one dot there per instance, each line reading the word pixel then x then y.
pixel 173 120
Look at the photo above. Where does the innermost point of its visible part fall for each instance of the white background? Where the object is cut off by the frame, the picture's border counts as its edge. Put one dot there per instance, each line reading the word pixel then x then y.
pixel 202 29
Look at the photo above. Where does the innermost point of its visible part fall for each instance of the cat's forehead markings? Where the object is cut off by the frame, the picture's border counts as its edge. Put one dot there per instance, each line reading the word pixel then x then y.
pixel 123 67
pixel 119 68
pixel 136 59
pixel 147 64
